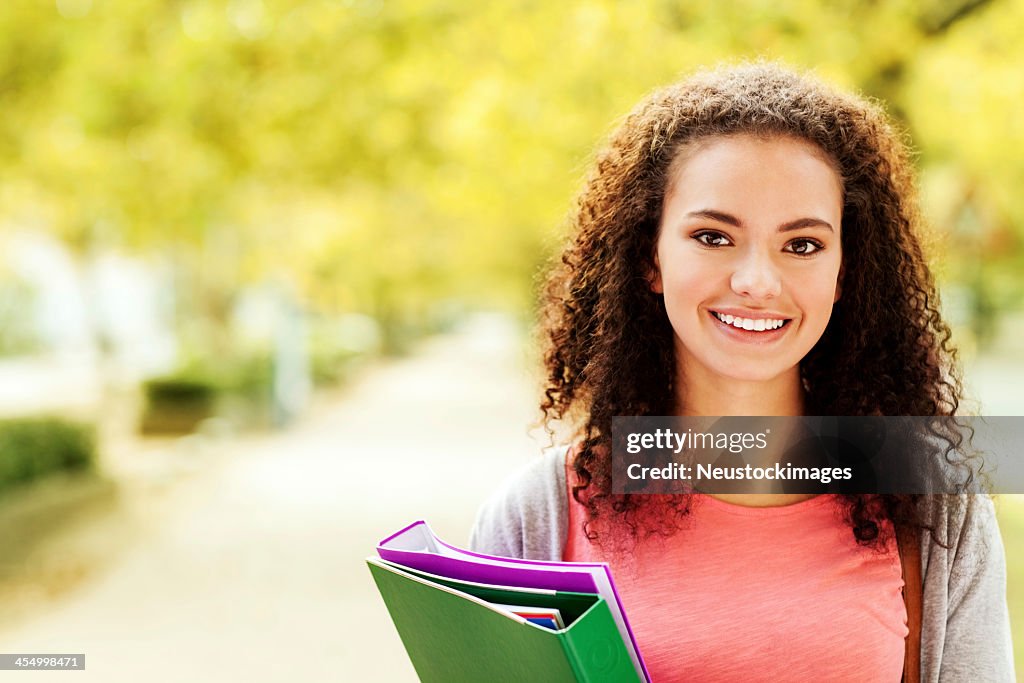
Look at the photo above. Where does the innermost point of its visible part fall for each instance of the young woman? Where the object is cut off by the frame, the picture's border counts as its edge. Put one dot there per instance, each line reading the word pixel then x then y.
pixel 747 244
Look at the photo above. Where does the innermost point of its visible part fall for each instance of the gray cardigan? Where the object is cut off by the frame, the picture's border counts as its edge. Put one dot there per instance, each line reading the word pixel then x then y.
pixel 965 630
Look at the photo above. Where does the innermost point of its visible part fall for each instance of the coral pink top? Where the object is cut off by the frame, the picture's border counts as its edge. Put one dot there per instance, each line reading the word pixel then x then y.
pixel 758 594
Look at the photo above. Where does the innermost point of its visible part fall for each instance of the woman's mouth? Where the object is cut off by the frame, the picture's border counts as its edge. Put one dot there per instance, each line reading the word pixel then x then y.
pixel 751 324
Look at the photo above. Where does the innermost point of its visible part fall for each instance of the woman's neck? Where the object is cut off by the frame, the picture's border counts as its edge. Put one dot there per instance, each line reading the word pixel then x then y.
pixel 714 396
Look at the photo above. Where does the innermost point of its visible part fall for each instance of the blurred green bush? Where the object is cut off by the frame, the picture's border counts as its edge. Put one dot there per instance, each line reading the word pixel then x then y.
pixel 31 448
pixel 240 387
pixel 176 404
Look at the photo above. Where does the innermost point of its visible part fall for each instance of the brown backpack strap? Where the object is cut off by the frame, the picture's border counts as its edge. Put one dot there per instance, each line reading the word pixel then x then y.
pixel 910 560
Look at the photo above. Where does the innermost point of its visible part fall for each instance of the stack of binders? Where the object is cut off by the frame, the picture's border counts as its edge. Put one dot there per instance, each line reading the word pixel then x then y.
pixel 464 616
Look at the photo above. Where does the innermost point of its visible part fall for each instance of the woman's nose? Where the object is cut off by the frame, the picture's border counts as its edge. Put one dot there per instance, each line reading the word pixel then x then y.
pixel 756 277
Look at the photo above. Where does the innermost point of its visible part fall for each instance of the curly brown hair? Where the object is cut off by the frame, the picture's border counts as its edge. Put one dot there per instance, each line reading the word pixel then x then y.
pixel 885 351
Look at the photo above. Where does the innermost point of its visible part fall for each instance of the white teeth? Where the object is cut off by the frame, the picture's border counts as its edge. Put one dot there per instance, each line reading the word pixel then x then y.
pixel 757 325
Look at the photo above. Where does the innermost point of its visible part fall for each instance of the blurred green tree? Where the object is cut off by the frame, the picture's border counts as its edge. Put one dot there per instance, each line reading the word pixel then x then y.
pixel 388 155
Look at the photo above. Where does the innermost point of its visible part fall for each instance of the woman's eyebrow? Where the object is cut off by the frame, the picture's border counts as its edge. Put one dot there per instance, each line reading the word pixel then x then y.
pixel 719 216
pixel 806 223
pixel 722 217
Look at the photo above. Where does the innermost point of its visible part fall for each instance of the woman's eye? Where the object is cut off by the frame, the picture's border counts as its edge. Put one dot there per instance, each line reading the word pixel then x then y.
pixel 712 239
pixel 803 247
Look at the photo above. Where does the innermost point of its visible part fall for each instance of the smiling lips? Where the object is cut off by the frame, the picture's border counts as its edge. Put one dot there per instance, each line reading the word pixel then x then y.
pixel 751 324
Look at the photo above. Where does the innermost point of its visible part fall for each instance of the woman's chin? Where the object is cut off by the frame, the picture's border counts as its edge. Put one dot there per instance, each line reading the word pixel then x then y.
pixel 757 372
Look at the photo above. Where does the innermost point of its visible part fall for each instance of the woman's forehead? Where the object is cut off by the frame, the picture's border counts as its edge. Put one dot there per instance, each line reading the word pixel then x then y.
pixel 753 175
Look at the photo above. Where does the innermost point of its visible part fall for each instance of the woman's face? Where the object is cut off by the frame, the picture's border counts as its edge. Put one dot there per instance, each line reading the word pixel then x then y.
pixel 748 256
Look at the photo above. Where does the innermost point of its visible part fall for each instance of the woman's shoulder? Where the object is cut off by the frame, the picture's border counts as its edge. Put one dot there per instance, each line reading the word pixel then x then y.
pixel 960 520
pixel 964 586
pixel 961 538
pixel 527 516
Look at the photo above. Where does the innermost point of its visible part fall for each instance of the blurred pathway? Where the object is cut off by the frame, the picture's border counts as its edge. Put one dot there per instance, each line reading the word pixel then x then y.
pixel 252 569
